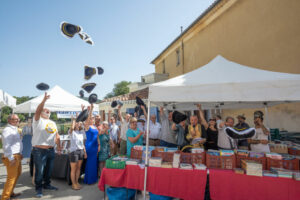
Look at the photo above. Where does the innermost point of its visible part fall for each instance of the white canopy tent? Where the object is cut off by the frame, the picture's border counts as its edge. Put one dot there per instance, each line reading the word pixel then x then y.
pixel 226 84
pixel 60 100
pixel 7 100
pixel 223 84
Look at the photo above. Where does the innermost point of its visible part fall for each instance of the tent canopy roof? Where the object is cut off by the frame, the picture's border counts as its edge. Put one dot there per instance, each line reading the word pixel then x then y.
pixel 7 100
pixel 60 100
pixel 226 84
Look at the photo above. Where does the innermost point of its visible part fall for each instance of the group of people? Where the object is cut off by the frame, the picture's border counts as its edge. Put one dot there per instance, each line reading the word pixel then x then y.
pixel 96 141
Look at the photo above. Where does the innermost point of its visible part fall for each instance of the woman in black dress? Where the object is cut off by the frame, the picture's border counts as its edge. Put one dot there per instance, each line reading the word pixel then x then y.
pixel 211 130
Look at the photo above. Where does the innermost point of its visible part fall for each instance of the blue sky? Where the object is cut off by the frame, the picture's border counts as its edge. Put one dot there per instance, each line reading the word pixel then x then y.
pixel 128 35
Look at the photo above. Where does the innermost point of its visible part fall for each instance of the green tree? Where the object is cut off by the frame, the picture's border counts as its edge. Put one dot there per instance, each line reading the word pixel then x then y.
pixel 5 111
pixel 53 116
pixel 119 89
pixel 23 99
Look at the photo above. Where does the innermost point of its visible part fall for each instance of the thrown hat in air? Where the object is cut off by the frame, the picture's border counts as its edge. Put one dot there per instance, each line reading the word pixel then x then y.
pixel 42 86
pixel 93 98
pixel 82 116
pixel 115 103
pixel 100 70
pixel 139 101
pixel 89 72
pixel 88 87
pixel 81 93
pixel 69 30
pixel 178 117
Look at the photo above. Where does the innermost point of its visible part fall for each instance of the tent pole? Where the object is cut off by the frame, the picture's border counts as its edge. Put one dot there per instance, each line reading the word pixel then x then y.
pixel 267 118
pixel 147 146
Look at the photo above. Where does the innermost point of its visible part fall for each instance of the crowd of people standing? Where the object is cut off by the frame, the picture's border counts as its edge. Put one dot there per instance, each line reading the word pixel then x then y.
pixel 96 140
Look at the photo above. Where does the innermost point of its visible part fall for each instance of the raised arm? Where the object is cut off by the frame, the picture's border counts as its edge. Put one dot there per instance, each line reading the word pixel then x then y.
pixel 202 118
pixel 40 107
pixel 72 125
pixel 119 113
pixel 145 112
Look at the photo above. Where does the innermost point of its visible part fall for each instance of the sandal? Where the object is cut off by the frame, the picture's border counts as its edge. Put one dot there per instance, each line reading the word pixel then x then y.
pixel 75 187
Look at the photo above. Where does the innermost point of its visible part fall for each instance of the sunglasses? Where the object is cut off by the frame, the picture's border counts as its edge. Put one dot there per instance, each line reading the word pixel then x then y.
pixel 212 120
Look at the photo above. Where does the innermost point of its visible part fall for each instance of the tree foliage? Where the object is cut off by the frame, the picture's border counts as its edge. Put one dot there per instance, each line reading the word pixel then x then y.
pixel 119 89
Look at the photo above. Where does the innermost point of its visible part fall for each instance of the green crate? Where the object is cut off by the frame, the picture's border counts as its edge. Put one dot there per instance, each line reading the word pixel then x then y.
pixel 112 164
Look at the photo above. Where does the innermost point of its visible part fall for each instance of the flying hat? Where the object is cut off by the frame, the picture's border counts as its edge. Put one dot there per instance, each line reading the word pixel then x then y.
pixel 42 86
pixel 115 103
pixel 89 72
pixel 100 70
pixel 139 101
pixel 88 87
pixel 69 30
pixel 81 93
pixel 234 133
pixel 178 117
pixel 93 98
pixel 82 116
pixel 89 41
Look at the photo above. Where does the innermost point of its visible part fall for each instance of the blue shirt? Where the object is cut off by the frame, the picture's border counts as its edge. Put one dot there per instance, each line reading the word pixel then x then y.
pixel 133 133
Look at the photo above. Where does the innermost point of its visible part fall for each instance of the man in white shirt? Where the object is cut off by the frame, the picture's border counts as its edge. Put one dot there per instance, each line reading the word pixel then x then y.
pixel 154 131
pixel 259 142
pixel 12 148
pixel 114 133
pixel 124 128
pixel 45 136
pixel 224 142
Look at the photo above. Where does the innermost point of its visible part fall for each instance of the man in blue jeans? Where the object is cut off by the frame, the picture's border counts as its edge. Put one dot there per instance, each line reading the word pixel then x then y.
pixel 45 136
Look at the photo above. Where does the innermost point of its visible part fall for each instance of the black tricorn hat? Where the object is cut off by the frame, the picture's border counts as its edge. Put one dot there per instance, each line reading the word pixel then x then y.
pixel 115 103
pixel 100 70
pixel 139 101
pixel 88 87
pixel 178 117
pixel 69 30
pixel 81 93
pixel 93 98
pixel 42 86
pixel 82 116
pixel 89 72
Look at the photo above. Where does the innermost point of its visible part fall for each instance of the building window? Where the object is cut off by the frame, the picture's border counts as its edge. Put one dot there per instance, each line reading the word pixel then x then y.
pixel 164 67
pixel 178 57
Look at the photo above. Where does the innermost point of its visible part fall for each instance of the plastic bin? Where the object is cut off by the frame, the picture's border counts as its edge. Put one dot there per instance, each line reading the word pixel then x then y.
pixel 115 193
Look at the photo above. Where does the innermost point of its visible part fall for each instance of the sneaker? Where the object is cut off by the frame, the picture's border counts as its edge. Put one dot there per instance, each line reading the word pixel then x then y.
pixel 39 193
pixel 50 187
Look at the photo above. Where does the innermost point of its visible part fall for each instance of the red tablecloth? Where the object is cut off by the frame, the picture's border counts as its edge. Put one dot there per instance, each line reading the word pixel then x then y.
pixel 185 184
pixel 225 184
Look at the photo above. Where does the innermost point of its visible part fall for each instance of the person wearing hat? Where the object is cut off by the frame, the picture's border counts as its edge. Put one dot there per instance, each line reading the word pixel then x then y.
pixel 259 142
pixel 45 135
pixel 124 128
pixel 168 137
pixel 134 136
pixel 105 141
pixel 180 129
pixel 12 149
pixel 114 132
pixel 242 125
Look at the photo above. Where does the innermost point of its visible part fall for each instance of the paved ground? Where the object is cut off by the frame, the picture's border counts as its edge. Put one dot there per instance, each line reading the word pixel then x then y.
pixel 24 185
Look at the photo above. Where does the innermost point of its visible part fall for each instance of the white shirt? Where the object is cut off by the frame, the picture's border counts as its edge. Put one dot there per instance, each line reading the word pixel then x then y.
pixel 11 141
pixel 114 128
pixel 224 141
pixel 124 128
pixel 259 135
pixel 77 140
pixel 154 130
pixel 44 132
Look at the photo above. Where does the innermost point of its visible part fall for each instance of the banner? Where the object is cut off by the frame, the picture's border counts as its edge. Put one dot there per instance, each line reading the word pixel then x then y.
pixel 69 114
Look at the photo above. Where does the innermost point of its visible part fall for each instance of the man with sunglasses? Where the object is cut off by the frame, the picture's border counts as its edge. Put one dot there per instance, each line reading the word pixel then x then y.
pixel 45 136
pixel 12 148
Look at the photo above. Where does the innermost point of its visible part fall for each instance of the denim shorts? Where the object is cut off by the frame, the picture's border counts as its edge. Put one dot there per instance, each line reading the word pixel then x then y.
pixel 76 155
